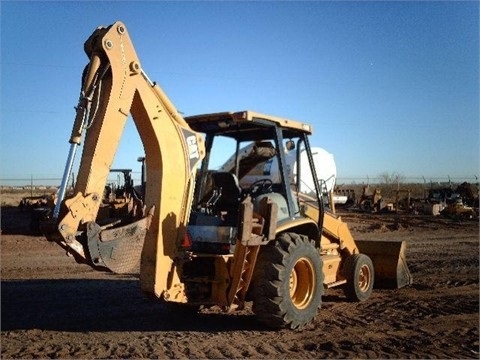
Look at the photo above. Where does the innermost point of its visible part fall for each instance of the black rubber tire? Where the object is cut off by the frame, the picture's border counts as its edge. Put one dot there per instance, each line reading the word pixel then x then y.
pixel 360 276
pixel 288 282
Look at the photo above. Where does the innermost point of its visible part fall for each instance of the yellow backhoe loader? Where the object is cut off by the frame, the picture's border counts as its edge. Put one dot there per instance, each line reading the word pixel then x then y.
pixel 200 236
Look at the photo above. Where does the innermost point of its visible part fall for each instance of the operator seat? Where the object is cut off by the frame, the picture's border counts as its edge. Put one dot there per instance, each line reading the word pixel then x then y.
pixel 230 191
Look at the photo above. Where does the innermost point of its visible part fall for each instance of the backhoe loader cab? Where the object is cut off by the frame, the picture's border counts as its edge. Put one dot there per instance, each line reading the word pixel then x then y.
pixel 221 187
pixel 210 228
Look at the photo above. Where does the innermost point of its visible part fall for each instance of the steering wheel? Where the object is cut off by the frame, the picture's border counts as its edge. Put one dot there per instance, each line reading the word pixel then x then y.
pixel 261 186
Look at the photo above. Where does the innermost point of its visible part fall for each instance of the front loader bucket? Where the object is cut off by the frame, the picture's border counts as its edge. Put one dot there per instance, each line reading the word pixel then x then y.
pixel 388 257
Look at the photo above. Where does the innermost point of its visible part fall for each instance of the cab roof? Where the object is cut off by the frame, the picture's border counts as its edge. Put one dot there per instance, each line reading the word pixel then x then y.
pixel 245 125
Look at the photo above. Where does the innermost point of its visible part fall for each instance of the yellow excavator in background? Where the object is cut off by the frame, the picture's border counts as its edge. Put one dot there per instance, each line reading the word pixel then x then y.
pixel 196 236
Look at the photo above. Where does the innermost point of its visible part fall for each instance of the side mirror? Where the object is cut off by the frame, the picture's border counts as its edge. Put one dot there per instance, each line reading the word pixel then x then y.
pixel 290 145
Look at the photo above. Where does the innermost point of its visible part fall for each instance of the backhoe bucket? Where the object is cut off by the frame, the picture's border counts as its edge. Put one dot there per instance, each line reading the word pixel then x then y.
pixel 388 257
pixel 117 249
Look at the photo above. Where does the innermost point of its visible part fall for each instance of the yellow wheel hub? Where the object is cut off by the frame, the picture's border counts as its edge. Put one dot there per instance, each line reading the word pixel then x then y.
pixel 364 278
pixel 302 283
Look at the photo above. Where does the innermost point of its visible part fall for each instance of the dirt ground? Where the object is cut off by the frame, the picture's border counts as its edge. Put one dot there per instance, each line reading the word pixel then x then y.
pixel 53 307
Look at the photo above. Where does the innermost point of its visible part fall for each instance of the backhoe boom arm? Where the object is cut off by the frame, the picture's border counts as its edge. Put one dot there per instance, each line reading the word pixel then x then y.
pixel 114 86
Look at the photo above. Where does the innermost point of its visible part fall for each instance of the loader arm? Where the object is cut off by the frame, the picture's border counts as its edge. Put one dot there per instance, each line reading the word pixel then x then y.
pixel 114 86
pixel 388 256
pixel 333 230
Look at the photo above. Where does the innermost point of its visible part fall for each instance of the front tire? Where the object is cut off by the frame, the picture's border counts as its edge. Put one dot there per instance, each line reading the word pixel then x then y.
pixel 360 275
pixel 288 282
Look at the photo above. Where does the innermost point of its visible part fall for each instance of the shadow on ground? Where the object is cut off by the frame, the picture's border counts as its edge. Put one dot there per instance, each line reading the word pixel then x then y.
pixel 102 305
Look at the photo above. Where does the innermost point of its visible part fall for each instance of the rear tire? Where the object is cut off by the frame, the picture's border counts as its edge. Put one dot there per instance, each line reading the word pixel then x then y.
pixel 360 276
pixel 288 282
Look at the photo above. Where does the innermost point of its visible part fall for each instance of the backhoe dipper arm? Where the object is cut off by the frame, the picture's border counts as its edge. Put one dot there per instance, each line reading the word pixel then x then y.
pixel 114 86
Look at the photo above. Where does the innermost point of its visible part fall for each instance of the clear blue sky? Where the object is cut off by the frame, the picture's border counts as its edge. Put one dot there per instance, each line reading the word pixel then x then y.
pixel 388 86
